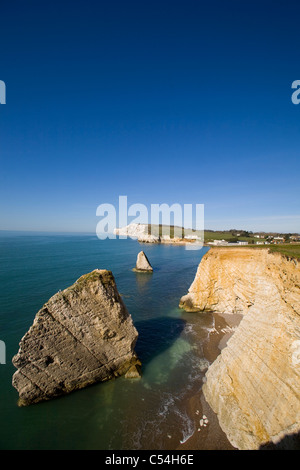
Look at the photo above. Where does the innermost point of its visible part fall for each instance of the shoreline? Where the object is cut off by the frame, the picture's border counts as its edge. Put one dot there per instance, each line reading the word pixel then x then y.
pixel 171 242
pixel 211 436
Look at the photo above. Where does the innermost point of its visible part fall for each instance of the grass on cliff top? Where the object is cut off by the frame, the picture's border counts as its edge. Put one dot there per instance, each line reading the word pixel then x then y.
pixel 229 237
pixel 173 231
pixel 286 249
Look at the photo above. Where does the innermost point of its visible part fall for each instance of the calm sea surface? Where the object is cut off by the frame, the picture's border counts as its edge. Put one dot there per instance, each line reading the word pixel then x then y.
pixel 149 413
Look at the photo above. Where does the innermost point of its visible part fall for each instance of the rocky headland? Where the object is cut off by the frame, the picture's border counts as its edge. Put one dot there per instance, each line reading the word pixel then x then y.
pixel 82 335
pixel 254 384
pixel 148 233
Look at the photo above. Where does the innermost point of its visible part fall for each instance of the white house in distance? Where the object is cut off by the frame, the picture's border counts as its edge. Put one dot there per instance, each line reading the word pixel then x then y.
pixel 225 243
pixel 219 242
pixel 277 240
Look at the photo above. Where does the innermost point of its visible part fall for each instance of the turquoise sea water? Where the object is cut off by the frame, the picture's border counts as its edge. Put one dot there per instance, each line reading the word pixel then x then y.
pixel 149 413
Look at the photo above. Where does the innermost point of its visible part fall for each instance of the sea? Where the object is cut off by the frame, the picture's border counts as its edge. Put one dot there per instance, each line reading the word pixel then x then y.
pixel 122 414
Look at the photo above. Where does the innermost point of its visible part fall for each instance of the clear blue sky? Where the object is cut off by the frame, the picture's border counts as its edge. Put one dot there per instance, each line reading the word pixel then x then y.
pixel 162 101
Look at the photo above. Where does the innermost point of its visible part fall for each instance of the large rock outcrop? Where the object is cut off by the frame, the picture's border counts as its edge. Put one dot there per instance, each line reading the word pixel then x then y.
pixel 254 385
pixel 82 335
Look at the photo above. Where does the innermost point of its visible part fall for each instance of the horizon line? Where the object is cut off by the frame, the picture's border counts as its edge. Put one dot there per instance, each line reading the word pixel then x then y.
pixel 94 233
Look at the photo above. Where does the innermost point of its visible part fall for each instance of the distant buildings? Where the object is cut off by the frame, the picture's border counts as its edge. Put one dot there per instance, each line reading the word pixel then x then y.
pixel 225 243
pixel 218 242
pixel 257 238
pixel 277 240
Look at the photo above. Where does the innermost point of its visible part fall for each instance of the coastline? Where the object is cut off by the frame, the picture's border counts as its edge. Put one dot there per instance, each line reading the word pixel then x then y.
pixel 253 385
pixel 181 241
pixel 211 436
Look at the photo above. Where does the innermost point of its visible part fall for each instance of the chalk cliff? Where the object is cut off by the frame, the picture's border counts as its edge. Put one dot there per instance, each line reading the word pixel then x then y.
pixel 82 335
pixel 151 233
pixel 139 232
pixel 254 385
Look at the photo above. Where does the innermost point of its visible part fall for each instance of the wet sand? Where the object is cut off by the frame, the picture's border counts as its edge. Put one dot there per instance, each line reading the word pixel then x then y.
pixel 208 434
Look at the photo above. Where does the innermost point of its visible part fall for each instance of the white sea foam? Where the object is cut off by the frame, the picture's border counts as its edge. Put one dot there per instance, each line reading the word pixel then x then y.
pixel 189 329
pixel 165 407
pixel 188 427
pixel 203 364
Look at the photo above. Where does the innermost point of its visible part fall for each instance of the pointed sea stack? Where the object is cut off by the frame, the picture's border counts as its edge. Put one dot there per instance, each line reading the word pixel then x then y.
pixel 142 263
pixel 82 335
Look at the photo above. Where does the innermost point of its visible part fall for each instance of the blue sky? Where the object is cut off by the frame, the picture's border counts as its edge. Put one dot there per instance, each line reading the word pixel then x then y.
pixel 162 101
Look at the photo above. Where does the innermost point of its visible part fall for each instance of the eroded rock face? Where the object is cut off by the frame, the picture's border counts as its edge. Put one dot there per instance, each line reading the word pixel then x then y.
pixel 142 263
pixel 82 335
pixel 254 385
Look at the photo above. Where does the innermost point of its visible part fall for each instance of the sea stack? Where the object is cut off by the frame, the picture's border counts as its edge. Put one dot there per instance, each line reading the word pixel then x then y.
pixel 142 263
pixel 82 335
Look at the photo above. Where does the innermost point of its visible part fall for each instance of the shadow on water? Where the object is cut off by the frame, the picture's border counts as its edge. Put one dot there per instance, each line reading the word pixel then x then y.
pixel 143 280
pixel 156 335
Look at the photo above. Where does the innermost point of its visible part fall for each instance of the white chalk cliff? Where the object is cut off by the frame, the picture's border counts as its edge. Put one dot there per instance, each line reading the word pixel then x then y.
pixel 145 233
pixel 137 231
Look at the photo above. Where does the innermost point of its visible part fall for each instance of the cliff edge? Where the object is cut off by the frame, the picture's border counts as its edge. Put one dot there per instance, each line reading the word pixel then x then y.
pixel 254 384
pixel 82 335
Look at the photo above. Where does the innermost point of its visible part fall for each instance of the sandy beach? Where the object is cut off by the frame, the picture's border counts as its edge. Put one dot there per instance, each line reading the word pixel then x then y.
pixel 208 434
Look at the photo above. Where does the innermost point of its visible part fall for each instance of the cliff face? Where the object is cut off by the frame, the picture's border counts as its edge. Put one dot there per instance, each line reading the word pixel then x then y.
pixel 82 335
pixel 160 234
pixel 254 385
pixel 138 231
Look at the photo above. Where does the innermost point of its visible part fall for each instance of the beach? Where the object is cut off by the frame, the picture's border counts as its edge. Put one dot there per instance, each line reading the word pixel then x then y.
pixel 210 436
pixel 162 410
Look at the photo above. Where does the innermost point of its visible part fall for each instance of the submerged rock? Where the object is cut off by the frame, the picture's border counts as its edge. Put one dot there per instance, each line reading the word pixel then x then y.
pixel 142 263
pixel 82 335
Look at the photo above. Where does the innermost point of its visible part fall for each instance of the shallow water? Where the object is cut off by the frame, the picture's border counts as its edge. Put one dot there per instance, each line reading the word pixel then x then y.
pixel 150 413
